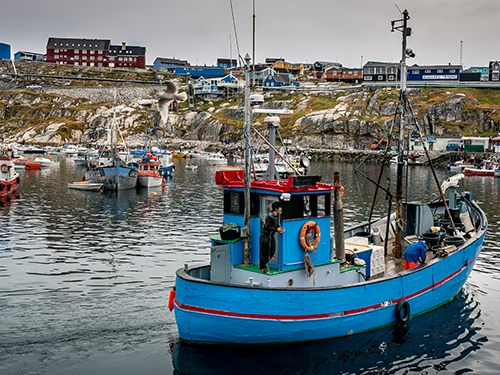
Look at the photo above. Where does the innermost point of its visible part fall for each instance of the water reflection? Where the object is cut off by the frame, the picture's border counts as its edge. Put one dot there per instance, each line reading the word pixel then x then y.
pixel 432 342
pixel 85 279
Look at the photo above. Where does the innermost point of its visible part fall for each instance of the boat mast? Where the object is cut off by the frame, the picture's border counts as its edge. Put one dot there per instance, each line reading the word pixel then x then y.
pixel 247 129
pixel 403 27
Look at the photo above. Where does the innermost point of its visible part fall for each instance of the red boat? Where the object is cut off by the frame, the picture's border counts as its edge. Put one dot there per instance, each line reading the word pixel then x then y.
pixel 478 172
pixel 23 163
pixel 9 178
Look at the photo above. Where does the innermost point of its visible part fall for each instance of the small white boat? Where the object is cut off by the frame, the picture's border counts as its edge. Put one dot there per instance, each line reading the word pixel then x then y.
pixel 191 167
pixel 216 158
pixel 85 185
pixel 47 162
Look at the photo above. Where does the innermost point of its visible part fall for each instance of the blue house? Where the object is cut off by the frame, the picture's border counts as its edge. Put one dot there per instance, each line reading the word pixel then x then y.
pixel 29 56
pixel 212 87
pixel 199 71
pixel 279 80
pixel 434 73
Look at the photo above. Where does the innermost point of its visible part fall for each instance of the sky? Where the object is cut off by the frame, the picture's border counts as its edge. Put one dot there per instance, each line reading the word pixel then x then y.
pixel 351 32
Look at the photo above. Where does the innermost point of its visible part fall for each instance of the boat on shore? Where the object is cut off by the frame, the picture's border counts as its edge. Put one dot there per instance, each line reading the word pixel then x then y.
pixel 319 284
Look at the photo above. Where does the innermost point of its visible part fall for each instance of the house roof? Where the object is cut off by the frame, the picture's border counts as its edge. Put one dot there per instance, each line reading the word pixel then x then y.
pixel 121 50
pixel 434 67
pixel 379 63
pixel 172 61
pixel 72 43
pixel 227 61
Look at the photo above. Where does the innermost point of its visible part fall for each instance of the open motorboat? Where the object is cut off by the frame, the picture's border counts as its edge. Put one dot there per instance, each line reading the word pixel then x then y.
pixel 216 158
pixel 85 185
pixel 46 162
pixel 320 284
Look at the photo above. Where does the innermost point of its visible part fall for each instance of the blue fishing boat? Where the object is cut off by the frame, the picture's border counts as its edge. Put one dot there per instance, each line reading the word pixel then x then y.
pixel 319 284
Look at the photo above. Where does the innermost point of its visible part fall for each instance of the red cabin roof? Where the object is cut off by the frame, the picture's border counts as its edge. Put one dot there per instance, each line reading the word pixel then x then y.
pixel 294 184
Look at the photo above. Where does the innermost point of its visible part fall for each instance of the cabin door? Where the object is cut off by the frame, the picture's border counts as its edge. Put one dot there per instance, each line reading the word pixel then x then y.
pixel 265 210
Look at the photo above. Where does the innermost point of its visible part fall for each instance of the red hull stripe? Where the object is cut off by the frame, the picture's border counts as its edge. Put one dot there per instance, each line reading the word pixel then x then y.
pixel 316 316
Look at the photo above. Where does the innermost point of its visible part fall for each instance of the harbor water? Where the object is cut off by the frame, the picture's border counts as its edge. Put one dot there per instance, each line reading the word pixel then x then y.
pixel 85 279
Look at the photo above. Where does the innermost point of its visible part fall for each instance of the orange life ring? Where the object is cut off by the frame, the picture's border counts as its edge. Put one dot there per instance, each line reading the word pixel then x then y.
pixel 4 168
pixel 310 225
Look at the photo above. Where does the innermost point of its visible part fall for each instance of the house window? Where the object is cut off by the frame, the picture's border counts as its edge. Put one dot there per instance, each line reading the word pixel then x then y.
pixel 368 78
pixel 100 64
pixel 76 63
pixel 56 56
pixel 56 50
pixel 99 52
pixel 84 57
pixel 111 58
pixel 92 51
pixel 91 57
pixel 84 51
pixel 77 51
pixel 100 58
pixel 120 58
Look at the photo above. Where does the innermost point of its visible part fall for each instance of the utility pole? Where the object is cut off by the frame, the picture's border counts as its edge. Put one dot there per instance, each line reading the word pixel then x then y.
pixel 401 25
pixel 253 58
pixel 461 46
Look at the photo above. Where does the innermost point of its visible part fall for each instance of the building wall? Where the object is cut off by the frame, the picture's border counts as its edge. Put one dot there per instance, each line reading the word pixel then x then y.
pixel 433 74
pixel 82 56
pixel 4 51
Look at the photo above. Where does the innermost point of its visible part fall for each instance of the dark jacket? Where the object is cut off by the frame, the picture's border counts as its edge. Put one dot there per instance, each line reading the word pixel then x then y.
pixel 271 225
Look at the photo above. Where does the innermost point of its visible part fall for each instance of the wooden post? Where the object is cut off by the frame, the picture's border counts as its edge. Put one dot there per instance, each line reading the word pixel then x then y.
pixel 338 220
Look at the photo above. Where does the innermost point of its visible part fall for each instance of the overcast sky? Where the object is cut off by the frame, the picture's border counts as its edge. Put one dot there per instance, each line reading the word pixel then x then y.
pixel 351 32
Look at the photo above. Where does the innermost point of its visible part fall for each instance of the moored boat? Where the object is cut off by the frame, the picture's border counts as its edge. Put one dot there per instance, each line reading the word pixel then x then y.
pixel 319 284
pixel 9 178
pixel 216 158
pixel 23 163
pixel 46 162
pixel 85 185
pixel 149 172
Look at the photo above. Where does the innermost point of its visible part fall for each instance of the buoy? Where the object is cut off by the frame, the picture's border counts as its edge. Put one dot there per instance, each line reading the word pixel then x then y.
pixel 163 181
pixel 100 191
pixel 153 193
pixel 171 298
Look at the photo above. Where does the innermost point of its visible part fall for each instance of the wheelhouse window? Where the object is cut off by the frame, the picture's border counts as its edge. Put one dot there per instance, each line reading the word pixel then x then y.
pixel 234 203
pixel 304 206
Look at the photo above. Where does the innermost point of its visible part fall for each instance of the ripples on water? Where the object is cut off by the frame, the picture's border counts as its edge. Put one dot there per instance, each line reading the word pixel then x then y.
pixel 84 281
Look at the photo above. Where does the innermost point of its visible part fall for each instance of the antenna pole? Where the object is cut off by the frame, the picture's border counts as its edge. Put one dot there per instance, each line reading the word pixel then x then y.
pixel 246 219
pixel 253 57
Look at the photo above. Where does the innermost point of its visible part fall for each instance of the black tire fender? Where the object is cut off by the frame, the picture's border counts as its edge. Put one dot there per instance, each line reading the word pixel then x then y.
pixel 402 311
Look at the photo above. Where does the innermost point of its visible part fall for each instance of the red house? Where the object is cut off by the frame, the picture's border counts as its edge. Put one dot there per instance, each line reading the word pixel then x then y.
pixel 95 52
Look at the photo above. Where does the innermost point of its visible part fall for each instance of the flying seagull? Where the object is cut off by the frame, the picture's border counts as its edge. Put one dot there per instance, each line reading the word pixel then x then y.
pixel 166 97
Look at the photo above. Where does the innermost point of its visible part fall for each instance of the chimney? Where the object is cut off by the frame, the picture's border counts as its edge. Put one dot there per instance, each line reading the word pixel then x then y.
pixel 124 46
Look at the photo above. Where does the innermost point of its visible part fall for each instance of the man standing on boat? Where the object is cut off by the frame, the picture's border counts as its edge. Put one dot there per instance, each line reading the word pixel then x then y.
pixel 267 242
pixel 415 253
